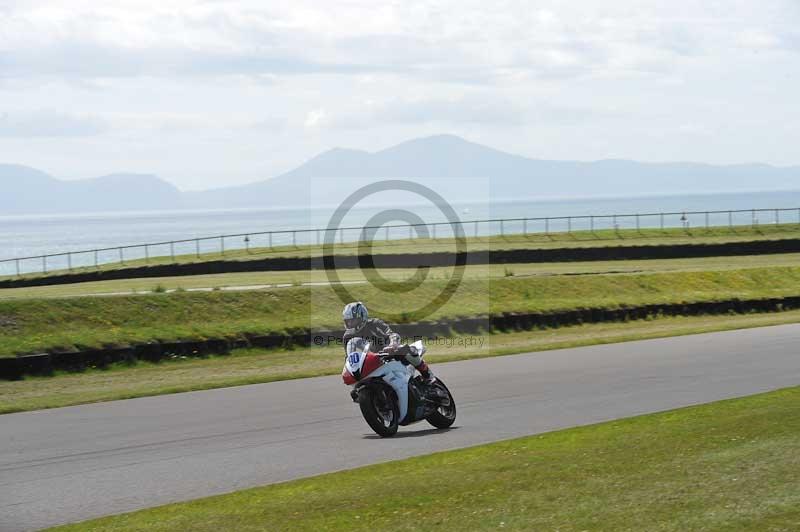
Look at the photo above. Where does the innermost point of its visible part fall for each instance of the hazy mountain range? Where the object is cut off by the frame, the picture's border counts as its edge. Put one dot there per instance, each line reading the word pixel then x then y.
pixel 458 169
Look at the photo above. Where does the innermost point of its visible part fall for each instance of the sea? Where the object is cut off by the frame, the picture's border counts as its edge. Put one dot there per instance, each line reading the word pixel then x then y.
pixel 27 237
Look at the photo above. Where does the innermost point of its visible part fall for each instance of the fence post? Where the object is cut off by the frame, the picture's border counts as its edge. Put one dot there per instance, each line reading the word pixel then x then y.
pixel 146 253
pixel 662 221
pixel 222 245
pixel 591 224
pixel 17 264
pixel 525 226
pixel 172 251
pixel 197 247
pixel 96 265
pixel 502 228
pixel 294 239
pixel 569 225
pixel 386 233
pixel 476 225
pixel 547 226
pixel 754 221
pixel 614 221
pixel 69 261
pixel 707 224
pixel 730 220
pixel 44 263
pixel 777 217
pixel 270 240
pixel 121 257
pixel 341 235
pixel 434 231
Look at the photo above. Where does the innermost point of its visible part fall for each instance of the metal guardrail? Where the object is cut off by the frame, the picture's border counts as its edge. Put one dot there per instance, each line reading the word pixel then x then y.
pixel 95 258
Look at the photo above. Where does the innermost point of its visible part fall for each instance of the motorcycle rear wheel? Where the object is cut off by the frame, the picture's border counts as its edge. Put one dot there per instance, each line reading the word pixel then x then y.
pixel 444 416
pixel 379 411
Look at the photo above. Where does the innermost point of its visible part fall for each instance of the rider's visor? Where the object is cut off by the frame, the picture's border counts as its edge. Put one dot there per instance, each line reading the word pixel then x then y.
pixel 352 323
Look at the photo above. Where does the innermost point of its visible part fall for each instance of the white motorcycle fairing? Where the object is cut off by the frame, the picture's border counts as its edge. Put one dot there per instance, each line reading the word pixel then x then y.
pixel 360 365
pixel 396 375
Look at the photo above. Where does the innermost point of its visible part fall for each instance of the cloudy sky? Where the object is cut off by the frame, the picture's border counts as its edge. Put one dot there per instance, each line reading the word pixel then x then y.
pixel 209 93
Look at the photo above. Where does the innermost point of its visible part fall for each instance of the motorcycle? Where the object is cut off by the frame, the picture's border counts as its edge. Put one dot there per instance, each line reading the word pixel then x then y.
pixel 389 395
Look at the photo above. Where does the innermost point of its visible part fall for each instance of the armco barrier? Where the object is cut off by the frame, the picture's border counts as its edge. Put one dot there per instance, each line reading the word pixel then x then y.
pixel 79 359
pixel 414 260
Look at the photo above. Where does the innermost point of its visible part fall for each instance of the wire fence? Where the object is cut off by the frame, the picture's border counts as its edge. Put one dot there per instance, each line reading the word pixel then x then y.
pixel 220 245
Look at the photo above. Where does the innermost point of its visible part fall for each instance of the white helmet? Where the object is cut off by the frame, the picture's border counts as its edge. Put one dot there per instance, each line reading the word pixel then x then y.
pixel 354 315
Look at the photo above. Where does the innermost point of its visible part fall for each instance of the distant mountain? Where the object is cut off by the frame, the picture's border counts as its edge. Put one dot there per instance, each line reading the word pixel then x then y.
pixel 458 169
pixel 27 190
pixel 465 171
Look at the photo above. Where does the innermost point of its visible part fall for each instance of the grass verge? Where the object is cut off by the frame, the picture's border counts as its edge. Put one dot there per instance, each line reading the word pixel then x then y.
pixel 42 324
pixel 257 366
pixel 729 465
pixel 249 280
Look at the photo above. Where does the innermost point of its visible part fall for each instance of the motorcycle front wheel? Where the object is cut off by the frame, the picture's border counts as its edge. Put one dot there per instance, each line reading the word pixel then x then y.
pixel 379 411
pixel 445 415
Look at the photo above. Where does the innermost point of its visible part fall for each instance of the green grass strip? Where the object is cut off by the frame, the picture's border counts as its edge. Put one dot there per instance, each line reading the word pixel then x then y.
pixel 39 324
pixel 251 366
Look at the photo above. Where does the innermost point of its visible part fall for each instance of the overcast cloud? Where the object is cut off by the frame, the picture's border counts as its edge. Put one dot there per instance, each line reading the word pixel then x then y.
pixel 206 93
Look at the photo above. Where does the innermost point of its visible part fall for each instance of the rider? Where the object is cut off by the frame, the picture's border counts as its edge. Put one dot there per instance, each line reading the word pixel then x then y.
pixel 378 334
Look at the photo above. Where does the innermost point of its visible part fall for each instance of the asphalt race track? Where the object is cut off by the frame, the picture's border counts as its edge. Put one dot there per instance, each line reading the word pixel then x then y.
pixel 70 464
